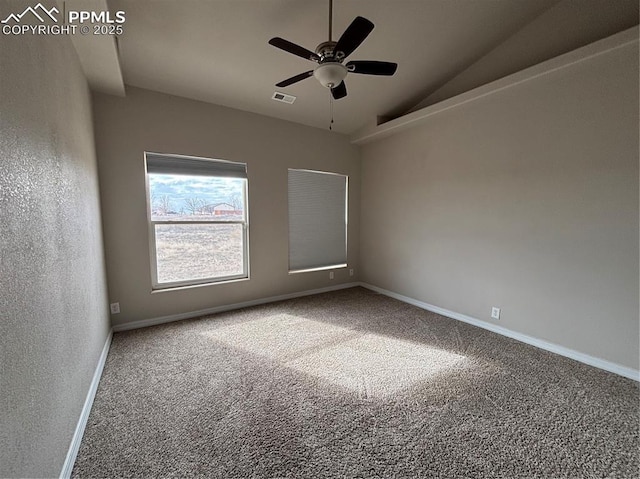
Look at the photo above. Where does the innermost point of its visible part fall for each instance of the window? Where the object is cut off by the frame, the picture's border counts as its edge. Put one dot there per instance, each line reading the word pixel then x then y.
pixel 197 212
pixel 317 220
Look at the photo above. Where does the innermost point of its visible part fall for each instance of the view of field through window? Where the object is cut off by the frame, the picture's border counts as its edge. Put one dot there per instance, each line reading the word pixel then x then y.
pixel 198 225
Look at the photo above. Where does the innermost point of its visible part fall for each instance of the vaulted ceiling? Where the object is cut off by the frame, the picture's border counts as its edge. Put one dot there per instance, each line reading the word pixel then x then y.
pixel 217 50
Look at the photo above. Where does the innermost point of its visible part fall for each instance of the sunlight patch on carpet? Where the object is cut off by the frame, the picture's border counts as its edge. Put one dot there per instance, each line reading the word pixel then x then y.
pixel 369 364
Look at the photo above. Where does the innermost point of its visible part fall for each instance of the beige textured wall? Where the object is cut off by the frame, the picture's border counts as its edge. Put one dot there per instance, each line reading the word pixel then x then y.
pixel 527 200
pixel 53 300
pixel 144 120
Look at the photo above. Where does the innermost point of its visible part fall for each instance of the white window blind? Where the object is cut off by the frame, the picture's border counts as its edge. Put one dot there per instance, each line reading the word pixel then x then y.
pixel 317 220
pixel 185 165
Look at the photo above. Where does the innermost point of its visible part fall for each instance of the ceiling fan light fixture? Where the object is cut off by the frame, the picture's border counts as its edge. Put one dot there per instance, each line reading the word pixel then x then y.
pixel 330 74
pixel 329 55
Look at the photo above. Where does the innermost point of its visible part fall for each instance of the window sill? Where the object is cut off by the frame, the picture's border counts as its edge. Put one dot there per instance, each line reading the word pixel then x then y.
pixel 321 268
pixel 199 285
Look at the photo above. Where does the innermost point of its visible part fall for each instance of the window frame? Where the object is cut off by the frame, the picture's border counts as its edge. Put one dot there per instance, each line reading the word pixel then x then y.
pixel 151 224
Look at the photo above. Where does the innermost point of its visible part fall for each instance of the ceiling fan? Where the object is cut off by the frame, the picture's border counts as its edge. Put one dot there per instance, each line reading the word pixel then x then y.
pixel 330 55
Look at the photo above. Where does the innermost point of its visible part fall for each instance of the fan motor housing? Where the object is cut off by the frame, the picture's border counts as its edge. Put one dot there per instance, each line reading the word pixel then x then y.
pixel 326 52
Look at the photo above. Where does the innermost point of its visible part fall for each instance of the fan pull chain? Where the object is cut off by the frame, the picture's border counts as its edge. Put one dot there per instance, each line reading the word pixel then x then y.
pixel 330 110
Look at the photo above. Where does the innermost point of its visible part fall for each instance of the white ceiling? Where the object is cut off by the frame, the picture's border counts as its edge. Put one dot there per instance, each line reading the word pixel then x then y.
pixel 217 51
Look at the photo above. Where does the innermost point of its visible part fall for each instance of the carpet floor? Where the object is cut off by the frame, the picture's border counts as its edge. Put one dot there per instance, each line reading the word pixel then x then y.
pixel 352 384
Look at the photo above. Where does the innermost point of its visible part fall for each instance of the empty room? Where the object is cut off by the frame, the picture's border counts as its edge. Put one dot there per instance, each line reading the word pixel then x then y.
pixel 319 238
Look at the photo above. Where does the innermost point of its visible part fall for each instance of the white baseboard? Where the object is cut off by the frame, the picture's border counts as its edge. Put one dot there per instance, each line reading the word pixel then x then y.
pixel 84 415
pixel 539 343
pixel 229 307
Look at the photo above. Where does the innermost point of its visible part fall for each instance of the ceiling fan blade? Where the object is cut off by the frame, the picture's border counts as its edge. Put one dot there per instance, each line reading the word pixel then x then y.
pixel 295 79
pixel 287 46
pixel 340 91
pixel 371 67
pixel 353 36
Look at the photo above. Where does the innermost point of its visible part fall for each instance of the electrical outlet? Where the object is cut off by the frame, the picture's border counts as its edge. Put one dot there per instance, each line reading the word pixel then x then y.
pixel 330 274
pixel 351 272
pixel 115 308
pixel 495 313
